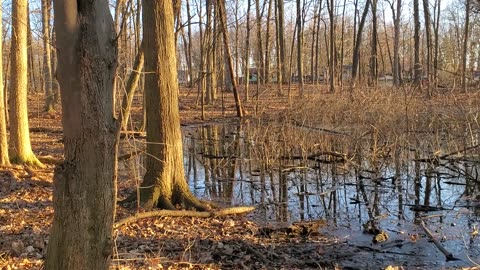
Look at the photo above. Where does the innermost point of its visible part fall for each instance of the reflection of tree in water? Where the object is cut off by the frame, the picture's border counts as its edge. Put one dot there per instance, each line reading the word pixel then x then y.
pixel 293 174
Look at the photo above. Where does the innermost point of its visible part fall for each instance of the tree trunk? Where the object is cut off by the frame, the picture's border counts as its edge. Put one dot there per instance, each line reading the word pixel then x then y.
pixel 358 43
pixel 281 41
pixel 300 47
pixel 417 67
pixel 164 183
pixel 465 45
pixel 132 84
pixel 373 56
pixel 259 62
pixel 331 11
pixel 223 20
pixel 247 53
pixel 4 160
pixel 19 131
pixel 428 35
pixel 267 43
pixel 47 63
pixel 85 184
pixel 396 44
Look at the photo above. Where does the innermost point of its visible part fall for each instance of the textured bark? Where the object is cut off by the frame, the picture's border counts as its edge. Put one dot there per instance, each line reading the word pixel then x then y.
pixel 84 185
pixel 164 183
pixel 19 131
pixel 4 160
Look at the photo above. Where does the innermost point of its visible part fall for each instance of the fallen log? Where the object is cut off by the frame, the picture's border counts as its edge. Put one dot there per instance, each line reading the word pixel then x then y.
pixel 184 213
pixel 445 252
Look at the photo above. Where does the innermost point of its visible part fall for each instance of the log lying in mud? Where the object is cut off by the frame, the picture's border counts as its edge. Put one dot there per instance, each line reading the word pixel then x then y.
pixel 445 252
pixel 182 213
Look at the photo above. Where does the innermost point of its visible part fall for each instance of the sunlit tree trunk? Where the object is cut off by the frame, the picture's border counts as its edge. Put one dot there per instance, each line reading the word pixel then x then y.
pixel 164 184
pixel 260 63
pixel 47 63
pixel 358 44
pixel 267 43
pixel 247 53
pixel 300 46
pixel 4 160
pixel 19 131
pixel 223 21
pixel 428 37
pixel 85 183
pixel 281 42
pixel 332 62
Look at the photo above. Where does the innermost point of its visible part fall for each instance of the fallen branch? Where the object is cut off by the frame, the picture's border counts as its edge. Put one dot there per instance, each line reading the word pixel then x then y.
pixel 447 254
pixel 183 213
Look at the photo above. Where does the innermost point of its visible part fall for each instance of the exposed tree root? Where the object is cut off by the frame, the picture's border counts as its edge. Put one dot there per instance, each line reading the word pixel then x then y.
pixel 182 213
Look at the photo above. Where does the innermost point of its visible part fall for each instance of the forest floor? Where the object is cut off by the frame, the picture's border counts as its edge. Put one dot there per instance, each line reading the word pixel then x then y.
pixel 230 242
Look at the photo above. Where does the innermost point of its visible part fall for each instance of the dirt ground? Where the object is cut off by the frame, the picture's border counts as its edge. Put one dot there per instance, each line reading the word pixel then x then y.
pixel 231 242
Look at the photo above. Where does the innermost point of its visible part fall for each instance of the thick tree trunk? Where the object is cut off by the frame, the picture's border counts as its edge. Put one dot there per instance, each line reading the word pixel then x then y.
pixel 164 182
pixel 19 131
pixel 4 160
pixel 85 184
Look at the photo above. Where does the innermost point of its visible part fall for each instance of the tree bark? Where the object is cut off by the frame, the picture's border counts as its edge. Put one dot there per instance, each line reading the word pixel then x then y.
pixel 19 131
pixel 4 159
pixel 300 47
pixel 85 184
pixel 164 183
pixel 396 44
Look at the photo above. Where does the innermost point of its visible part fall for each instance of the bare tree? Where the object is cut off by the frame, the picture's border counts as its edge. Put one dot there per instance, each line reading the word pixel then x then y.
pixel 47 59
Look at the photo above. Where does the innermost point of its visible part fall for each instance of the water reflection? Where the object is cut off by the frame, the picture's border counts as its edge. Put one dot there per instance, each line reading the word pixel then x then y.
pixel 378 184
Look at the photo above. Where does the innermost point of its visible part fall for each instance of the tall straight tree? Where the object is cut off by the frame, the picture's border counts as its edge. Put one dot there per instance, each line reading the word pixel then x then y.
pixel 47 58
pixel 84 194
pixel 417 66
pixel 19 131
pixel 300 46
pixel 4 160
pixel 164 182
pixel 465 45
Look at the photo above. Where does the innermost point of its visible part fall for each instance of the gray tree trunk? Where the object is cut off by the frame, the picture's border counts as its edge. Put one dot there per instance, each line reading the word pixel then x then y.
pixel 85 183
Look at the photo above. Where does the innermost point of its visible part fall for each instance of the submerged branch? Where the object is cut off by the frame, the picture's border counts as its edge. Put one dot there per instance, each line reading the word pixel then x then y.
pixel 447 254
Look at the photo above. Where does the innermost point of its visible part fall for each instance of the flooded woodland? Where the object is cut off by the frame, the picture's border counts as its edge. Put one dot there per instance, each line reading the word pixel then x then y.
pixel 390 178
